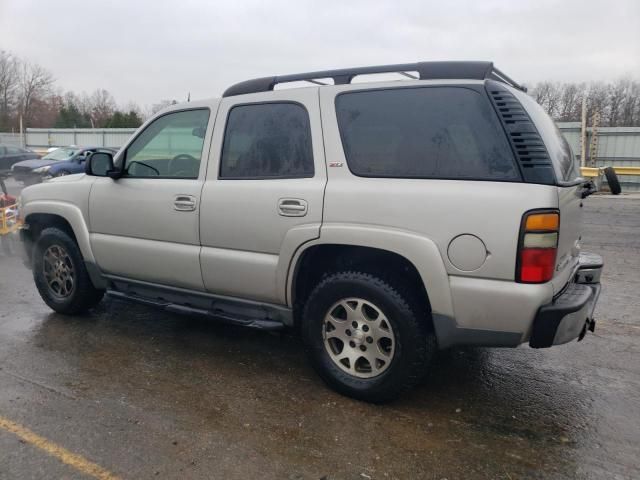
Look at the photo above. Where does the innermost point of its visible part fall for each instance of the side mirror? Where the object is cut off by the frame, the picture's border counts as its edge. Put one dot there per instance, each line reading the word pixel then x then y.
pixel 100 164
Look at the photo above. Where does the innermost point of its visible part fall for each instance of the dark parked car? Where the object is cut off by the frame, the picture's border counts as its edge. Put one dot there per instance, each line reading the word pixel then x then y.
pixel 62 161
pixel 9 155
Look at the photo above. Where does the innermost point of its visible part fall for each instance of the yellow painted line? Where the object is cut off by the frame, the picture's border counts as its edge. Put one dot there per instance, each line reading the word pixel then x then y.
pixel 65 456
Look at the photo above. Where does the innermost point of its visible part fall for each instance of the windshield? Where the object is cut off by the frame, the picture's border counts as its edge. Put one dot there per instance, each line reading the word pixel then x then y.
pixel 61 154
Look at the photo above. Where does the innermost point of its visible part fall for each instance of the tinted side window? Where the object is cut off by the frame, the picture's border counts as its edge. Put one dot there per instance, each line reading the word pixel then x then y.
pixel 269 140
pixel 170 147
pixel 432 132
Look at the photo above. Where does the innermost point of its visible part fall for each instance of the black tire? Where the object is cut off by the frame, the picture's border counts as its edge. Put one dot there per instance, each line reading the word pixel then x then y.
pixel 83 295
pixel 612 180
pixel 410 322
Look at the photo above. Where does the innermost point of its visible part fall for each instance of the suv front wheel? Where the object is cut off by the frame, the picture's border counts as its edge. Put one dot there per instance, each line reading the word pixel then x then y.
pixel 60 274
pixel 365 338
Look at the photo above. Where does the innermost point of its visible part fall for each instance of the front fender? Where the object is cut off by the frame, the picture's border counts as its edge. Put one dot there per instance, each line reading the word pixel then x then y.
pixel 69 212
pixel 419 250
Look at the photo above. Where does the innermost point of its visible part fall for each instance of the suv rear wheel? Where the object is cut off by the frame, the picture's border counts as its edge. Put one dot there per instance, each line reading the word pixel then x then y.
pixel 365 338
pixel 60 274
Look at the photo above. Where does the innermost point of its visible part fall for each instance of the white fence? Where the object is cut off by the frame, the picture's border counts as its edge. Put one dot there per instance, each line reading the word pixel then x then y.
pixel 39 138
pixel 13 139
pixel 616 146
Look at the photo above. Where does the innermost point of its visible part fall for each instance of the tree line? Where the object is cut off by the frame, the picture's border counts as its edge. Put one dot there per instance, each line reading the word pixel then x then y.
pixel 29 91
pixel 617 102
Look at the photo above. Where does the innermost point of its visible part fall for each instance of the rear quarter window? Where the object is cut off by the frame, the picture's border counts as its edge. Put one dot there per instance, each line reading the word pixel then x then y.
pixel 565 164
pixel 426 132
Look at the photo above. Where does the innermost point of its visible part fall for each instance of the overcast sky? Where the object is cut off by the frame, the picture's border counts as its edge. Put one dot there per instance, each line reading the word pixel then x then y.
pixel 148 50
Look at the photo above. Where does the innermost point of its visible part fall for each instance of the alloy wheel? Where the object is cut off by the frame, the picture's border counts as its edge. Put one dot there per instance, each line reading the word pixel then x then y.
pixel 358 337
pixel 59 272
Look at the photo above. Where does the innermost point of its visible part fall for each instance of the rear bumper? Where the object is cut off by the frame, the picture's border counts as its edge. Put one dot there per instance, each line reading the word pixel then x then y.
pixel 570 314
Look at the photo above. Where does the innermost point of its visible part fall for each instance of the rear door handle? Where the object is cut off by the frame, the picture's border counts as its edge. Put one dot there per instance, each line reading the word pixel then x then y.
pixel 292 207
pixel 184 203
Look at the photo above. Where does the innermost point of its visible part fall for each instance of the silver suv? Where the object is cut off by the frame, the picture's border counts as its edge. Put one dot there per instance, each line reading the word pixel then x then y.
pixel 386 220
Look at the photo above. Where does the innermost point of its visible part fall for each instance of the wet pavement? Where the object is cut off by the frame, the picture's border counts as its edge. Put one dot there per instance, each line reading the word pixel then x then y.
pixel 146 394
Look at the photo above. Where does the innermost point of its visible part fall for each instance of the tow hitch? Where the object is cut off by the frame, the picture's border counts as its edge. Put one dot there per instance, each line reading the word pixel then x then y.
pixel 590 325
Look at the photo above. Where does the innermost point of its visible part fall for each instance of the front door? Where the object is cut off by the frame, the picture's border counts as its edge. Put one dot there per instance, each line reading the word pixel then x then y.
pixel 144 226
pixel 264 192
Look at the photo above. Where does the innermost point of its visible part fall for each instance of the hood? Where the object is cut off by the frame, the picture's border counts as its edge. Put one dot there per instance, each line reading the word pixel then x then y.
pixel 67 178
pixel 35 163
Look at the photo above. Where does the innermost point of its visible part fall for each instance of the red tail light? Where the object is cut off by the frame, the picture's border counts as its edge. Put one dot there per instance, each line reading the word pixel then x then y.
pixel 537 247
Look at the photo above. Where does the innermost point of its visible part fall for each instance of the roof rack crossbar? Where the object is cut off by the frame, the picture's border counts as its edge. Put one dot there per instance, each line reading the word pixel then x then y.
pixel 426 71
pixel 501 77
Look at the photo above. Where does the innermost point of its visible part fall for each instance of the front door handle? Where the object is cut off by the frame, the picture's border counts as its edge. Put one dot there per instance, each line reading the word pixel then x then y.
pixel 292 207
pixel 184 203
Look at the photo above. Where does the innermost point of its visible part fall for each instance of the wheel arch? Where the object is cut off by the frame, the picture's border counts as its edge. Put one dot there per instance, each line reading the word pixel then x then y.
pixel 67 217
pixel 418 254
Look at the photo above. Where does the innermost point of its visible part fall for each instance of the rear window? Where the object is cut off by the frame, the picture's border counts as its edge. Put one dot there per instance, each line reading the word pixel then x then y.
pixel 428 132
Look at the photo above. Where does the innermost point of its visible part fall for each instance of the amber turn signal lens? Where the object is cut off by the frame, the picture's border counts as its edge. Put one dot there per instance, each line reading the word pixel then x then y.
pixel 542 221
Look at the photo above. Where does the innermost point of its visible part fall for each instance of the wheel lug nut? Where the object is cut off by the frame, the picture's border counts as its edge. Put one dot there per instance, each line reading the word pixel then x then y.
pixel 365 328
pixel 352 344
pixel 369 339
pixel 363 348
pixel 354 324
pixel 348 332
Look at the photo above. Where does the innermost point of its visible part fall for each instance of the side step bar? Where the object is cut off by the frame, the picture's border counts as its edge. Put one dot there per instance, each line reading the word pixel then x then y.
pixel 218 314
pixel 261 316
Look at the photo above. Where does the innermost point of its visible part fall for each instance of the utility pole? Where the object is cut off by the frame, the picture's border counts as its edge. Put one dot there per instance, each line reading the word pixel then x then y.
pixel 593 145
pixel 22 142
pixel 583 133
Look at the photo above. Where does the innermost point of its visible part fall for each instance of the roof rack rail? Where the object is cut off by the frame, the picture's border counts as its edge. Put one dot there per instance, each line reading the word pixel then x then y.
pixel 426 71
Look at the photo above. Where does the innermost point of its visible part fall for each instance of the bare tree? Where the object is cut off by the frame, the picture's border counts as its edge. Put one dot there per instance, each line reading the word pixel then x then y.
pixel 35 84
pixel 156 107
pixel 630 106
pixel 617 93
pixel 618 103
pixel 102 107
pixel 570 103
pixel 597 100
pixel 549 96
pixel 8 87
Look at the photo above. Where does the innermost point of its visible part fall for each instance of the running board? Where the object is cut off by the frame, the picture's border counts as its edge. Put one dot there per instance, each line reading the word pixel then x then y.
pixel 227 310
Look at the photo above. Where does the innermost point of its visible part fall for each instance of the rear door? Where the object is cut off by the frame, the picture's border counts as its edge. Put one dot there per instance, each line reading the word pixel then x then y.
pixel 264 192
